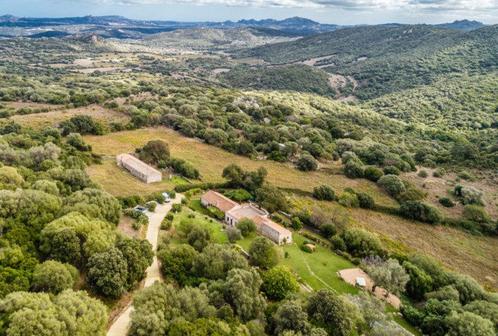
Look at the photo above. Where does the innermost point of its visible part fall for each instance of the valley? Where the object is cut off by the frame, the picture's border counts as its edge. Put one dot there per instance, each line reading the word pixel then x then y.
pixel 375 145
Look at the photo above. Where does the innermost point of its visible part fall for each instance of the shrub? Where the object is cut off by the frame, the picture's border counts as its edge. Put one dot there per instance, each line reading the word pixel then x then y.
pixel 446 202
pixel 54 277
pixel 349 200
pixel 338 243
pixel 279 283
pixel 439 172
pixel 175 208
pixel 239 195
pixel 307 163
pixel 476 213
pixel 465 175
pixel 324 193
pixel 468 195
pixel 392 184
pixel 361 243
pixel 420 211
pixel 262 253
pixel 328 230
pixel 296 223
pixel 391 170
pixel 354 169
pixel 365 200
pixel 151 206
pixel 215 212
pixel 166 224
pixel 233 234
pixel 246 227
pixel 423 173
pixel 373 173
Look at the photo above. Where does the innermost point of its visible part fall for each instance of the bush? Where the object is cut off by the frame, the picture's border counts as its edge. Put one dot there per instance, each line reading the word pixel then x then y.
pixel 262 253
pixel 216 213
pixel 233 234
pixel 166 224
pixel 439 172
pixel 324 193
pixel 151 206
pixel 468 195
pixel 328 230
pixel 279 283
pixel 423 173
pixel 54 277
pixel 391 170
pixel 446 202
pixel 361 243
pixel 354 169
pixel 476 213
pixel 420 211
pixel 338 243
pixel 296 223
pixel 239 195
pixel 246 227
pixel 349 200
pixel 366 201
pixel 392 184
pixel 175 208
pixel 373 173
pixel 307 163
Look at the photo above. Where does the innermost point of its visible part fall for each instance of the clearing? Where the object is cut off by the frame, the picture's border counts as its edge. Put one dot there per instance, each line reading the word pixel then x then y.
pixel 201 156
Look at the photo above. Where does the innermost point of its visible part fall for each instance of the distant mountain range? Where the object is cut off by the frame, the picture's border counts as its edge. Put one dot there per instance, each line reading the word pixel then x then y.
pixel 121 27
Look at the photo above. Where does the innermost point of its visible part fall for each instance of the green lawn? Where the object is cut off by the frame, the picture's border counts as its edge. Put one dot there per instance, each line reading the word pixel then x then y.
pixel 318 269
pixel 216 228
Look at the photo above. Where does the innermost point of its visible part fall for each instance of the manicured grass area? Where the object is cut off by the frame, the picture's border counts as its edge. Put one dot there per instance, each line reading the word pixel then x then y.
pixel 318 269
pixel 211 160
pixel 216 228
pixel 460 251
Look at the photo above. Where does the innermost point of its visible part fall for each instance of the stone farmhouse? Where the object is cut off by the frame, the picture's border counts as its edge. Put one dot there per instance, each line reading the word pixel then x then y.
pixel 234 212
pixel 138 168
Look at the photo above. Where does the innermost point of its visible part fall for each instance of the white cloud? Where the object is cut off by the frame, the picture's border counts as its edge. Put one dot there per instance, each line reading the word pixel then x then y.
pixel 456 5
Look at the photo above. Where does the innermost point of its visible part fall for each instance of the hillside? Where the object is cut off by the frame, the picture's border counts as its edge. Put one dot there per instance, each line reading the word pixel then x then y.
pixel 296 77
pixel 216 39
pixel 460 102
pixel 388 58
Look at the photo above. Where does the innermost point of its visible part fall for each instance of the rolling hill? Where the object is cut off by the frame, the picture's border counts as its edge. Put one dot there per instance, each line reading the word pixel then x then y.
pixel 389 58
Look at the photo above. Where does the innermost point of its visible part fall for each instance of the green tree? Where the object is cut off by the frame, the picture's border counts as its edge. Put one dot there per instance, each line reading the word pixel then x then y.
pixel 485 309
pixel 392 184
pixel 279 283
pixel 324 193
pixel 361 243
pixel 262 253
pixel 198 237
pixel 469 324
pixel 177 262
pixel 54 277
pixel 216 260
pixel 290 316
pixel 388 274
pixel 94 203
pixel 334 313
pixel 272 199
pixel 138 255
pixel 307 163
pixel 246 227
pixel 108 273
pixel 154 152
pixel 419 283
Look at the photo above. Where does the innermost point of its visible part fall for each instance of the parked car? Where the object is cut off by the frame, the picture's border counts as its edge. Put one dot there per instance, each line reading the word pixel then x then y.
pixel 167 199
pixel 140 208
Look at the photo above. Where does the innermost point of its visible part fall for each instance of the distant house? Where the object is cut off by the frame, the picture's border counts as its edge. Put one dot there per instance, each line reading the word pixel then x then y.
pixel 138 168
pixel 234 212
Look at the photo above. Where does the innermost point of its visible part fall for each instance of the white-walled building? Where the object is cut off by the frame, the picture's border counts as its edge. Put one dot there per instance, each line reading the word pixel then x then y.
pixel 235 212
pixel 138 168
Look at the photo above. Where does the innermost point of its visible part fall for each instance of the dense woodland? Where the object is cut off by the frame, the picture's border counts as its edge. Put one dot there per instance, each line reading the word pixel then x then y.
pixel 426 99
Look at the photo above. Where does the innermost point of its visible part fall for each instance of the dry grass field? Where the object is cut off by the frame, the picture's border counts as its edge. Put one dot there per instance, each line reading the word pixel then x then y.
pixel 210 161
pixel 53 118
pixel 460 251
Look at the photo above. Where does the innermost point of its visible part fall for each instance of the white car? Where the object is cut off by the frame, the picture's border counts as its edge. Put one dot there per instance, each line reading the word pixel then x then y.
pixel 167 199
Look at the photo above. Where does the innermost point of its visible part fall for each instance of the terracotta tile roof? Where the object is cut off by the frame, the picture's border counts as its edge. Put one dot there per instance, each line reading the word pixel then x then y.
pixel 218 200
pixel 271 224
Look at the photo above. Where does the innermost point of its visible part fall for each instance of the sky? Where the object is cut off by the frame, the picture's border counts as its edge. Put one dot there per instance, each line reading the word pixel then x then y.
pixel 325 11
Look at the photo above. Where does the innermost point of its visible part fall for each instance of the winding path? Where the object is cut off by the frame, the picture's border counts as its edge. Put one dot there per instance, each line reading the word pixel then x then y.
pixel 122 323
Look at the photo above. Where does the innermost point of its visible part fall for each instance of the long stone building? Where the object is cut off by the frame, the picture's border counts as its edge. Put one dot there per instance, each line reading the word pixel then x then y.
pixel 234 212
pixel 138 168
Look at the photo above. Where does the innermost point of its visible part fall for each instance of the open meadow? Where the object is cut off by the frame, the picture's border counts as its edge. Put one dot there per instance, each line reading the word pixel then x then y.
pixel 210 161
